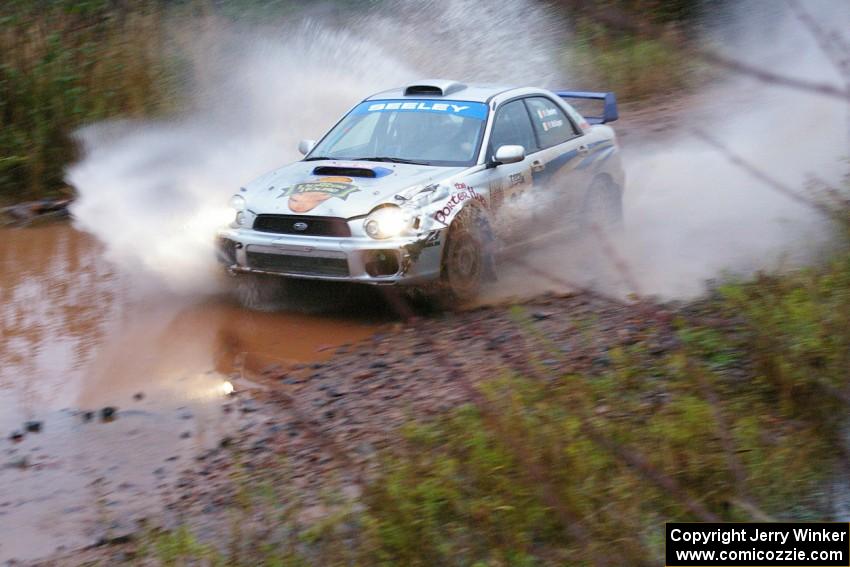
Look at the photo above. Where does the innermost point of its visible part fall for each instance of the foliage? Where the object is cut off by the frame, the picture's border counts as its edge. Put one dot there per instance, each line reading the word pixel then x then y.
pixel 633 66
pixel 66 64
pixel 740 419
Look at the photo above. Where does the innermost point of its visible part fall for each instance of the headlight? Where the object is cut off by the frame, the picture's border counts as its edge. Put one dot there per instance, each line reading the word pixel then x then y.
pixel 238 202
pixel 386 222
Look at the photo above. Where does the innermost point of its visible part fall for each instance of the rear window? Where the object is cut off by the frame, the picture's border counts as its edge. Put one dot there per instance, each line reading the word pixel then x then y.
pixel 550 123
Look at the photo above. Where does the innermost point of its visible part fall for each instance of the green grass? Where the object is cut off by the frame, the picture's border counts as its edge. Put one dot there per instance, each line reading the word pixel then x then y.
pixel 632 66
pixel 66 64
pixel 741 420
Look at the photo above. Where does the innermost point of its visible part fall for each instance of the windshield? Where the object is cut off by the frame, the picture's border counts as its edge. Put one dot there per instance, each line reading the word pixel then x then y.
pixel 428 132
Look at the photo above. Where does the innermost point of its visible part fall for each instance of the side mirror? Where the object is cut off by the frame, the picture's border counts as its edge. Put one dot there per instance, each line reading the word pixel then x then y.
pixel 509 154
pixel 305 146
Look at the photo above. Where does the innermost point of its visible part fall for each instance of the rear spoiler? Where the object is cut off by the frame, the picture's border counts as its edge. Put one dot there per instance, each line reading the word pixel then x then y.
pixel 609 112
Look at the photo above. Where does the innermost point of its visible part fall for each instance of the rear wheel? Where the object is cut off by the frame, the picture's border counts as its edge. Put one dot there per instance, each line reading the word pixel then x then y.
pixel 603 207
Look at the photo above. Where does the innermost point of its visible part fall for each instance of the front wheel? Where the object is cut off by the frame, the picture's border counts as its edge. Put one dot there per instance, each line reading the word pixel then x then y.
pixel 465 258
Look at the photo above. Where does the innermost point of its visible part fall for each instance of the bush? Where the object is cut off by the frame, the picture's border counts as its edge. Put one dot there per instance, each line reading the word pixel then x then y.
pixel 740 419
pixel 65 64
pixel 634 67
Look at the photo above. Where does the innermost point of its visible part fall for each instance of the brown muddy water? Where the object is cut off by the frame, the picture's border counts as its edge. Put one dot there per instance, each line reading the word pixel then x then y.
pixel 77 336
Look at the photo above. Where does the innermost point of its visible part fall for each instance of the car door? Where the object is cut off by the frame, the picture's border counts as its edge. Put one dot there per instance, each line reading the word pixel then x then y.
pixel 509 183
pixel 559 178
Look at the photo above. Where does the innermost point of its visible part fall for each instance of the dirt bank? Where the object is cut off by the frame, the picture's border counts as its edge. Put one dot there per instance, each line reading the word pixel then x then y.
pixel 321 425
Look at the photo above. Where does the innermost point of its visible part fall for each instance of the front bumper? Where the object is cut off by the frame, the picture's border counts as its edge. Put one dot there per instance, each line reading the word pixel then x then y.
pixel 413 260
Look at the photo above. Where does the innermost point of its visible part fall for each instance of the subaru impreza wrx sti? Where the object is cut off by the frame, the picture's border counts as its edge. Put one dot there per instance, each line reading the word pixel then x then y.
pixel 424 185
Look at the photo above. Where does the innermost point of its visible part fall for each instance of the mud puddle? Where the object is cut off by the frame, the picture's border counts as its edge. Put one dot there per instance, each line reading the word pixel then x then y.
pixel 76 337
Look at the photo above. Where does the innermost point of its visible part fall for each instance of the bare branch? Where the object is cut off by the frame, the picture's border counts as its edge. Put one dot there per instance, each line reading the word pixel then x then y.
pixel 618 20
pixel 833 45
pixel 741 68
pixel 665 482
pixel 754 171
pixel 617 260
pixel 573 286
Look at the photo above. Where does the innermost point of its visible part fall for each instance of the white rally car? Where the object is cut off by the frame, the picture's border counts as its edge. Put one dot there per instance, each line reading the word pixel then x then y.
pixel 425 185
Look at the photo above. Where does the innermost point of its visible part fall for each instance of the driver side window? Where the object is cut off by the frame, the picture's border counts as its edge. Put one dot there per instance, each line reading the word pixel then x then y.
pixel 357 136
pixel 512 127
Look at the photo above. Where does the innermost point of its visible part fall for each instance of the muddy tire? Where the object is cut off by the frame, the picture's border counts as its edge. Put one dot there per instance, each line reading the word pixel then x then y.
pixel 467 257
pixel 258 292
pixel 603 207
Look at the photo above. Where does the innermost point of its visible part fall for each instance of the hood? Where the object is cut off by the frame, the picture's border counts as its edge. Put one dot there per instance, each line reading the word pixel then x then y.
pixel 331 188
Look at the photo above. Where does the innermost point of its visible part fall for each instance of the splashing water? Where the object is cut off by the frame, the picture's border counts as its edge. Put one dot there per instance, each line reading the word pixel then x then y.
pixel 154 192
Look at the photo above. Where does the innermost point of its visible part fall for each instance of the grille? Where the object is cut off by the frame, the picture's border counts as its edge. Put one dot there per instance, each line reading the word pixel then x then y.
pixel 316 226
pixel 305 265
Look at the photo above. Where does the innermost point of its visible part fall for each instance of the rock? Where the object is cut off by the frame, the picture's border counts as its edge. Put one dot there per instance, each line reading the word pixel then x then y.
pixel 225 442
pixel 16 436
pixel 351 491
pixel 33 426
pixel 185 435
pixel 88 415
pixel 108 414
pixel 139 396
pixel 273 369
pixel 541 315
pixel 312 514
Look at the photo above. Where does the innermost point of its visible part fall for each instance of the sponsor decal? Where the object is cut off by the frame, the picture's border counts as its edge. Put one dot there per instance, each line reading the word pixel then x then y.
pixel 435 106
pixel 552 124
pixel 464 194
pixel 497 194
pixel 307 196
pixel 517 179
pixel 466 109
pixel 543 113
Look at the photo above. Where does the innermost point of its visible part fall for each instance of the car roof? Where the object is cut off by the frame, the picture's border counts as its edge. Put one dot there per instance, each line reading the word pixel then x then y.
pixel 443 89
